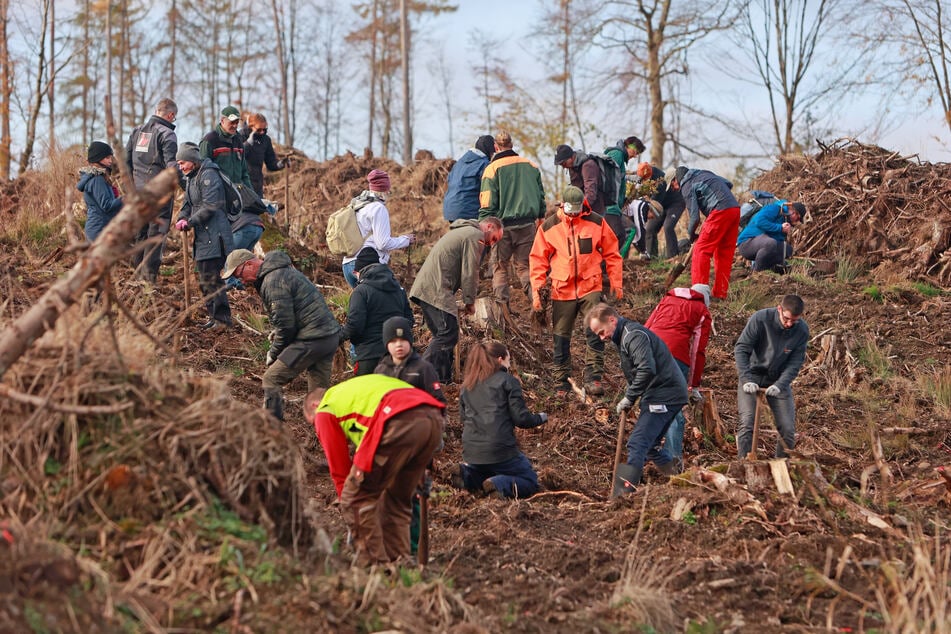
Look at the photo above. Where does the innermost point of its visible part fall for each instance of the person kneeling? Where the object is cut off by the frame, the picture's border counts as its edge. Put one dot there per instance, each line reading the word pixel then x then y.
pixel 491 406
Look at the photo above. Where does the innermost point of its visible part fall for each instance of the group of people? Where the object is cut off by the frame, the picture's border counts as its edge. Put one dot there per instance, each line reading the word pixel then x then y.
pixel 393 410
pixel 226 156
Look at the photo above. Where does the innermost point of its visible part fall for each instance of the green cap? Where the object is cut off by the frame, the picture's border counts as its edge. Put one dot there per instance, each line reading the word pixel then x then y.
pixel 231 113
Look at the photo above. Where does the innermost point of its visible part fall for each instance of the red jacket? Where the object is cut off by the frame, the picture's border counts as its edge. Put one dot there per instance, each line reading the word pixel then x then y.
pixel 682 321
pixel 357 410
pixel 572 249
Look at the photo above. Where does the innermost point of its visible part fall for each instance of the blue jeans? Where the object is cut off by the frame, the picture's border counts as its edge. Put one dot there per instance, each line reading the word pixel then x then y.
pixel 247 236
pixel 644 442
pixel 784 415
pixel 674 440
pixel 513 478
pixel 348 273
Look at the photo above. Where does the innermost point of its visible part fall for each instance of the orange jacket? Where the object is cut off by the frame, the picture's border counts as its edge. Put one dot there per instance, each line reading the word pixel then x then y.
pixel 572 248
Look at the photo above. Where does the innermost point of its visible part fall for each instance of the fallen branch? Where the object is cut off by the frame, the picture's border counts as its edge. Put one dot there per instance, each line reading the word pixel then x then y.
pixel 109 247
pixel 37 401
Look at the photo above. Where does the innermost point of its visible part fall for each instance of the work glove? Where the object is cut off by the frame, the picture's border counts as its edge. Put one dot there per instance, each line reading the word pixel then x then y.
pixel 694 396
pixel 543 416
pixel 182 225
pixel 750 387
pixel 772 390
pixel 623 404
pixel 617 293
pixel 271 358
pixel 536 301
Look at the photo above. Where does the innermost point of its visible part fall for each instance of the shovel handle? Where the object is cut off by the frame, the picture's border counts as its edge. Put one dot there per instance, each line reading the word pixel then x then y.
pixel 622 422
pixel 760 399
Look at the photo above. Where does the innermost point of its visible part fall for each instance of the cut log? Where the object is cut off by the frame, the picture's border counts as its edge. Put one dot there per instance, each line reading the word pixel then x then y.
pixel 781 476
pixel 109 247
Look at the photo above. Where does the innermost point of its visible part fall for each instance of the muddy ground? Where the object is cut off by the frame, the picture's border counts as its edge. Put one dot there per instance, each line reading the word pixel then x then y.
pixel 849 550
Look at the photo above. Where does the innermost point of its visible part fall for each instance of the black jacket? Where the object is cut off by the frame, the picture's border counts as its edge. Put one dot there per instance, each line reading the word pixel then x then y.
pixel 258 152
pixel 376 298
pixel 650 369
pixel 295 307
pixel 151 148
pixel 204 209
pixel 490 413
pixel 416 371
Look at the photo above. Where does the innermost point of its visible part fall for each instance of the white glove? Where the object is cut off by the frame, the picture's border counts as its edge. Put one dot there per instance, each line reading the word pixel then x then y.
pixel 271 358
pixel 694 396
pixel 623 404
pixel 772 390
pixel 750 388
pixel 543 416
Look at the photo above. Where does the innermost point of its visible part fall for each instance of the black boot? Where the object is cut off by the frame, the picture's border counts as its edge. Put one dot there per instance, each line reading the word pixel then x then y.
pixel 672 468
pixel 628 476
pixel 274 402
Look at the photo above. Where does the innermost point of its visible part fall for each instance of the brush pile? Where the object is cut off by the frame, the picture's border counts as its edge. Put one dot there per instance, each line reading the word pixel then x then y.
pixel 871 205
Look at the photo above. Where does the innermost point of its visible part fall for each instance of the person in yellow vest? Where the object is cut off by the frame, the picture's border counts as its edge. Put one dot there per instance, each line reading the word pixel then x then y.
pixel 395 428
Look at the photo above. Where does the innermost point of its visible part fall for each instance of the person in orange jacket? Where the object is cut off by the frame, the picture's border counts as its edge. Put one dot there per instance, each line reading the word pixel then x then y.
pixel 395 428
pixel 571 247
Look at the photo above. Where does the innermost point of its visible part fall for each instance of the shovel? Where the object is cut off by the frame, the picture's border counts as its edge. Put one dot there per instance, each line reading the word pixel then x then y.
pixel 777 469
pixel 188 293
pixel 679 268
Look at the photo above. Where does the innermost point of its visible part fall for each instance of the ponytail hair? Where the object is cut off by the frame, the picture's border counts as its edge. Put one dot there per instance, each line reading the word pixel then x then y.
pixel 482 361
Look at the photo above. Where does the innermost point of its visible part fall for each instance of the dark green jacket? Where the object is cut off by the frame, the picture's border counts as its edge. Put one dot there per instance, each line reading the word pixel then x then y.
pixel 512 190
pixel 227 151
pixel 295 307
pixel 620 157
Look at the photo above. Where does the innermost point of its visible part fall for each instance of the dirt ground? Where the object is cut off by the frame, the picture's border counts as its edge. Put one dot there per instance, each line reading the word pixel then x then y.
pixel 850 549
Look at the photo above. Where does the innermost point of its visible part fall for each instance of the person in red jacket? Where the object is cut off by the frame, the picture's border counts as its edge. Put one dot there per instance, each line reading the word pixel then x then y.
pixel 682 320
pixel 395 428
pixel 571 246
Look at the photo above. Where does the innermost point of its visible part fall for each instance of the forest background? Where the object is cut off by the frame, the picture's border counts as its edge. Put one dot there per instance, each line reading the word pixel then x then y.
pixel 728 88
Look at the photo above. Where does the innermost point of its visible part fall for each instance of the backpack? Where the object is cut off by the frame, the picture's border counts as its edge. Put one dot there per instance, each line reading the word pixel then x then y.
pixel 759 200
pixel 612 177
pixel 343 233
pixel 233 206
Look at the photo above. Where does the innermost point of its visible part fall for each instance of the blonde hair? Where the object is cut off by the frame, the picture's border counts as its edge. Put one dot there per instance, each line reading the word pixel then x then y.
pixel 503 139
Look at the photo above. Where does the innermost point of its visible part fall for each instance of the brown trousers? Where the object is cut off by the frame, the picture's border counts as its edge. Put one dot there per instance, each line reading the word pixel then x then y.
pixel 515 245
pixel 378 504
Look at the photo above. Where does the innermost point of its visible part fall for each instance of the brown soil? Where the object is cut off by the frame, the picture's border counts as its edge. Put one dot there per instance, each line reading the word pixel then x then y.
pixel 151 517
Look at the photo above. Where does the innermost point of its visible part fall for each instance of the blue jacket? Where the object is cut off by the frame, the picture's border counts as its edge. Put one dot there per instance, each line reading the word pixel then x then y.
pixel 465 182
pixel 102 205
pixel 705 192
pixel 768 220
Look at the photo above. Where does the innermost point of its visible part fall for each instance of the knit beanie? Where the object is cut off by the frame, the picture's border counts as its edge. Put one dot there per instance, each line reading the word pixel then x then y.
pixel 379 181
pixel 397 328
pixel 188 152
pixel 563 153
pixel 365 258
pixel 486 145
pixel 98 151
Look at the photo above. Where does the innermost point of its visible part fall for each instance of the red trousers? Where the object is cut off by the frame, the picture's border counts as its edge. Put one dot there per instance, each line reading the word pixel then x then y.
pixel 717 240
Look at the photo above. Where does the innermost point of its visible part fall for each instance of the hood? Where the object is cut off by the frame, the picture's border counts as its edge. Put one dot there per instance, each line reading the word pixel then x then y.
pixel 464 222
pixel 365 198
pixel 473 156
pixel 379 276
pixel 88 173
pixel 273 261
pixel 688 294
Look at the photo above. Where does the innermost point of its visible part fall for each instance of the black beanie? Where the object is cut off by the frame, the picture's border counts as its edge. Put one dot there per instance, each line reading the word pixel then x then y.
pixel 397 328
pixel 486 145
pixel 563 153
pixel 98 151
pixel 366 257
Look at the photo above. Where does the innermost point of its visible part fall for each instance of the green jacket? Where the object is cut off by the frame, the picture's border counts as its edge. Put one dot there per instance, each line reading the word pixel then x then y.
pixel 512 190
pixel 620 157
pixel 452 264
pixel 227 151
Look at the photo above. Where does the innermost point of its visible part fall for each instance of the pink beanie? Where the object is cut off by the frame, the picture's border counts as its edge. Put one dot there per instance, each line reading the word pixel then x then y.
pixel 379 181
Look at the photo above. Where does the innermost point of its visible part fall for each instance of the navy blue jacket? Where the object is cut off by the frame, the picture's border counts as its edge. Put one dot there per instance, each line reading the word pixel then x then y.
pixel 102 205
pixel 705 192
pixel 204 209
pixel 465 182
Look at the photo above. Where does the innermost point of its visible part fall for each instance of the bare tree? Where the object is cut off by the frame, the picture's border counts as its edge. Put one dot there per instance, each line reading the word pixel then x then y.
pixel 407 93
pixel 488 66
pixel 39 88
pixel 283 63
pixel 784 40
pixel 439 69
pixel 6 91
pixel 656 37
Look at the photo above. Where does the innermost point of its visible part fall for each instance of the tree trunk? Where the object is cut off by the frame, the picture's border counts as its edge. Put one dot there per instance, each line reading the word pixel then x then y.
pixel 34 114
pixel 280 36
pixel 374 73
pixel 50 88
pixel 655 89
pixel 407 96
pixel 6 92
pixel 110 247
pixel 172 47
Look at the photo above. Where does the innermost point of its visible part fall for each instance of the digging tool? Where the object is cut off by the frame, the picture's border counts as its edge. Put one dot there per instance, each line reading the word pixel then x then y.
pixel 581 392
pixel 188 293
pixel 760 403
pixel 287 197
pixel 422 550
pixel 619 450
pixel 679 268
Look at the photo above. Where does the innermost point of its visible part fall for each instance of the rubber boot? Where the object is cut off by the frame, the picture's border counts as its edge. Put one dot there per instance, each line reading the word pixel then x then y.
pixel 274 402
pixel 628 476
pixel 672 468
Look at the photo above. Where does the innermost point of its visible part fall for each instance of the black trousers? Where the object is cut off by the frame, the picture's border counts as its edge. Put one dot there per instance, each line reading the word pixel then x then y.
pixel 213 289
pixel 441 349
